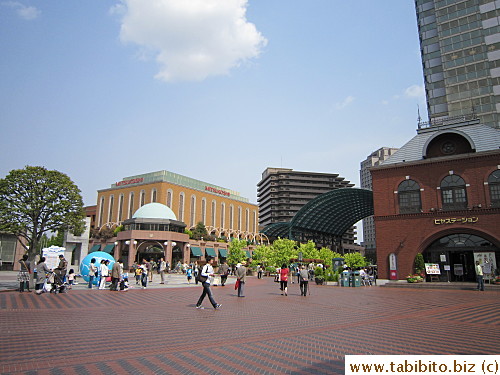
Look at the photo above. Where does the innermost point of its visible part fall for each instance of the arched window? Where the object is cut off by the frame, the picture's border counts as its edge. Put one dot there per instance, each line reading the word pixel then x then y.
pixel 494 184
pixel 120 207
pixel 231 216
pixel 453 193
pixel 409 197
pixel 247 220
pixel 203 210
pixel 169 197
pixel 110 212
pixel 101 212
pixel 181 207
pixel 130 204
pixel 153 195
pixel 192 216
pixel 142 199
pixel 239 218
pixel 214 205
pixel 254 222
pixel 222 216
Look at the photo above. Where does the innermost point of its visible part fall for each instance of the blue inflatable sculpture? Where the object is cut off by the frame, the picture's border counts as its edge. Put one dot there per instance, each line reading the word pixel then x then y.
pixel 98 256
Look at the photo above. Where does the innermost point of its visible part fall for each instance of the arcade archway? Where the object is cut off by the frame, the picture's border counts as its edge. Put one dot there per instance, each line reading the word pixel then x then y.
pixel 457 251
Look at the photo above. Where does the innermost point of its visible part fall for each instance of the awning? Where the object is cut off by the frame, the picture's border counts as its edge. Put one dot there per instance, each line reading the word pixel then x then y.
pixel 210 251
pixel 109 248
pixel 95 248
pixel 196 251
pixel 249 255
pixel 223 253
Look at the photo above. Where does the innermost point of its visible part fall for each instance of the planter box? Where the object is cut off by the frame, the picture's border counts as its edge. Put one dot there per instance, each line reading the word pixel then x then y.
pixel 332 283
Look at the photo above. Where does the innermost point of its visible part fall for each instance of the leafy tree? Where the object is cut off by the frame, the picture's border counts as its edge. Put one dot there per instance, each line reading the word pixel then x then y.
pixel 261 255
pixel 283 250
pixel 200 231
pixel 35 200
pixel 419 263
pixel 354 260
pixel 326 255
pixel 309 250
pixel 236 253
pixel 56 240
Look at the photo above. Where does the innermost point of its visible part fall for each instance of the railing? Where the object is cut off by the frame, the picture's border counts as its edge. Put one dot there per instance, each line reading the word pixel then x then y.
pixel 447 121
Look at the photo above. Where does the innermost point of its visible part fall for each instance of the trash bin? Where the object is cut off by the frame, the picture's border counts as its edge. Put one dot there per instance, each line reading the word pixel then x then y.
pixel 345 278
pixel 355 279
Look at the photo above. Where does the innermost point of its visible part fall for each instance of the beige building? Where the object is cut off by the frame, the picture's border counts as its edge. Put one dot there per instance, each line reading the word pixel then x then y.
pixel 223 211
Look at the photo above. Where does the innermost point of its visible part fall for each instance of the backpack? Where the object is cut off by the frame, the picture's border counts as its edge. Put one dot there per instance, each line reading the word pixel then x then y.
pixel 200 278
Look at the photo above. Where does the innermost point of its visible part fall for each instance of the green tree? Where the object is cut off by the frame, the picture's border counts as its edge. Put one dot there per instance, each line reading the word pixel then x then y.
pixel 200 231
pixel 56 240
pixel 326 255
pixel 354 260
pixel 262 255
pixel 34 201
pixel 283 250
pixel 236 253
pixel 419 263
pixel 309 250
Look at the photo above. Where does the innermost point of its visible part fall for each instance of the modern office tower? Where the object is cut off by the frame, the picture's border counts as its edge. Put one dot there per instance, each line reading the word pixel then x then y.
pixel 460 48
pixel 282 192
pixel 375 158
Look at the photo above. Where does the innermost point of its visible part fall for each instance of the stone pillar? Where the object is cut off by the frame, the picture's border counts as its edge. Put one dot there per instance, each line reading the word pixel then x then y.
pixel 117 253
pixel 168 253
pixel 186 252
pixel 132 252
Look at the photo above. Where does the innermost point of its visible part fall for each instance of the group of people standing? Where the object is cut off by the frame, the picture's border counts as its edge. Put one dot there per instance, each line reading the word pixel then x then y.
pixel 42 272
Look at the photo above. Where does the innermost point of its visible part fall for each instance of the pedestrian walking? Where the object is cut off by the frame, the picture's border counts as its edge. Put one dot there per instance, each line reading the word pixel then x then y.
pixel 304 280
pixel 144 274
pixel 240 273
pixel 284 271
pixel 206 277
pixel 224 272
pixel 116 274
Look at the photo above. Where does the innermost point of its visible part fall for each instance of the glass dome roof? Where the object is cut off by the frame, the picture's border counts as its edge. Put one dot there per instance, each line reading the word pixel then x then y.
pixel 154 211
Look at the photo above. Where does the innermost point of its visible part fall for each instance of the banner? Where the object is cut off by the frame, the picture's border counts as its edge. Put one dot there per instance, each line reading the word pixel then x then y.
pixel 51 255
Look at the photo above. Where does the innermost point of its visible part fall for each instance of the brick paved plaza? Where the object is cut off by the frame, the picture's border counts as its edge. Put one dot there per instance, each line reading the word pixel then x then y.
pixel 159 331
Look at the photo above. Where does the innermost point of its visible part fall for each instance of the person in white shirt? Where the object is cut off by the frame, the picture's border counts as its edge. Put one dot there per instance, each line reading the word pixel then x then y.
pixel 104 272
pixel 206 277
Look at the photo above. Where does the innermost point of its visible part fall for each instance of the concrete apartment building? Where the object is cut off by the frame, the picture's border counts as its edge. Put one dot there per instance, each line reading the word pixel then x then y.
pixel 375 158
pixel 282 192
pixel 460 48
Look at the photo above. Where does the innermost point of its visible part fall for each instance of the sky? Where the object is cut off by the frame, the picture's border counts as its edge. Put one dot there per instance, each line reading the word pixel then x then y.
pixel 216 90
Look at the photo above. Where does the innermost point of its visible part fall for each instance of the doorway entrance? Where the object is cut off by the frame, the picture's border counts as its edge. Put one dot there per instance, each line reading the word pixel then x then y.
pixel 455 255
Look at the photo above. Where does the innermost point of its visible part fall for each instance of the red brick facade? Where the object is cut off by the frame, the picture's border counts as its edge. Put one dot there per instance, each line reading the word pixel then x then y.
pixel 408 234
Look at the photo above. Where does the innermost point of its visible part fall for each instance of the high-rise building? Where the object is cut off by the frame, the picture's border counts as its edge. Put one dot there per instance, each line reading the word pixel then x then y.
pixel 460 48
pixel 375 158
pixel 282 192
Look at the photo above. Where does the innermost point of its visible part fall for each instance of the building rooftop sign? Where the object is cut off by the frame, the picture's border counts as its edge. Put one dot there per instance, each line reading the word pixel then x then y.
pixel 177 179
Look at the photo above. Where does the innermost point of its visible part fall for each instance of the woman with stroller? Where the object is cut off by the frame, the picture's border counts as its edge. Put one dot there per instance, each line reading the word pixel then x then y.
pixel 41 275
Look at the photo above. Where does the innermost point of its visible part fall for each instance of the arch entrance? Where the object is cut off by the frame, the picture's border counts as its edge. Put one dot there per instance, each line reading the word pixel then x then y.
pixel 459 251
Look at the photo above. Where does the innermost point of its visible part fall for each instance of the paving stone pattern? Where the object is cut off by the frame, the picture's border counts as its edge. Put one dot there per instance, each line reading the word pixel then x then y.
pixel 159 331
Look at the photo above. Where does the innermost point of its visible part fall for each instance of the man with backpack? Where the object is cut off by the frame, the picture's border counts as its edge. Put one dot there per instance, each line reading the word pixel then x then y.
pixel 205 276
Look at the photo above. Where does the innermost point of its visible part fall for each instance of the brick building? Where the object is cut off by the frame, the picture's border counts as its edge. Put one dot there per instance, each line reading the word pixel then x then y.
pixel 439 195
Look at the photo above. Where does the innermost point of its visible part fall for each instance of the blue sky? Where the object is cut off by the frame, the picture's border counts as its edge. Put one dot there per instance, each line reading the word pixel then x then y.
pixel 217 90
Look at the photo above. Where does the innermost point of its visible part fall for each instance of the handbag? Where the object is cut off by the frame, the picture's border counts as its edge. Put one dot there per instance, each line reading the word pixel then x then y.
pixel 236 284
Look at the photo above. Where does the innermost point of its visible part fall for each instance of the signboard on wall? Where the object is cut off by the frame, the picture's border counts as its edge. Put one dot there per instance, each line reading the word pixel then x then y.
pixel 487 260
pixel 458 269
pixel 393 267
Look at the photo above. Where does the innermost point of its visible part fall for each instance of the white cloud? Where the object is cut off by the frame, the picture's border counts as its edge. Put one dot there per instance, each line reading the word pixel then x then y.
pixel 345 102
pixel 191 39
pixel 25 12
pixel 415 91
